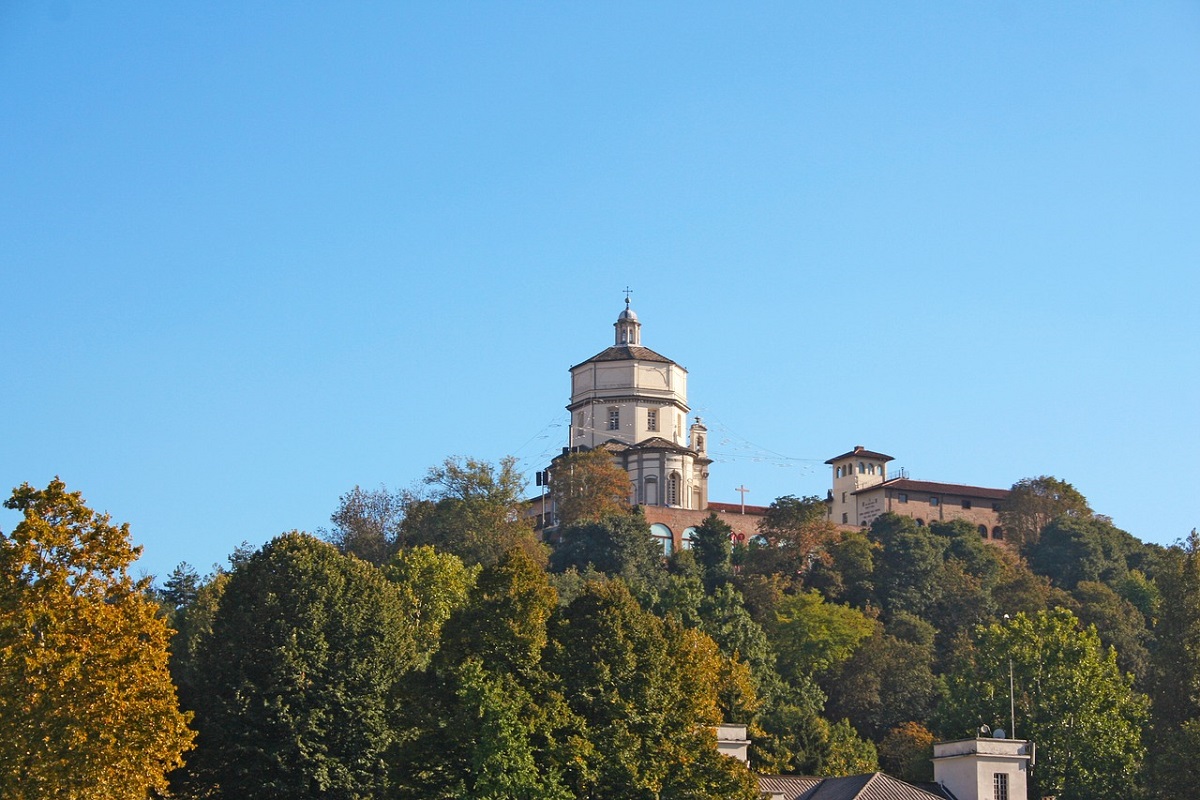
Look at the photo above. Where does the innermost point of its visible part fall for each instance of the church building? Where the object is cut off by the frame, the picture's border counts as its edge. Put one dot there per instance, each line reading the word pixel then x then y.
pixel 632 401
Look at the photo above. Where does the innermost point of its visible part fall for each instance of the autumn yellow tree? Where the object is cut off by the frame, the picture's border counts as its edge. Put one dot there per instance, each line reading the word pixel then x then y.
pixel 87 707
pixel 586 486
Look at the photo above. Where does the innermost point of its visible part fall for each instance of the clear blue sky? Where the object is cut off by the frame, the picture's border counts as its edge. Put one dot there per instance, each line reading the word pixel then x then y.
pixel 254 254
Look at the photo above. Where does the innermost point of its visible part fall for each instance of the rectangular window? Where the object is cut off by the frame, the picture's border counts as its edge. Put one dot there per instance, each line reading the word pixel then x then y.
pixel 966 503
pixel 845 519
pixel 651 420
pixel 1000 786
pixel 843 497
pixel 903 497
pixel 933 501
pixel 614 419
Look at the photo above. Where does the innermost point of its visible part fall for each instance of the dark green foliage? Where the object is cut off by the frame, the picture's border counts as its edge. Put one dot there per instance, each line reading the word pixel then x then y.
pixel 846 576
pixel 1172 768
pixel 907 571
pixel 1034 502
pixel 643 694
pixel 296 679
pixel 1073 549
pixel 887 681
pixel 713 551
pixel 482 721
pixel 791 537
pixel 617 545
pixel 1119 624
pixel 180 587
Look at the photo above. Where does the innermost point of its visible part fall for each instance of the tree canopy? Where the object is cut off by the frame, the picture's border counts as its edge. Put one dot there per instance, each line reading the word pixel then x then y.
pixel 87 707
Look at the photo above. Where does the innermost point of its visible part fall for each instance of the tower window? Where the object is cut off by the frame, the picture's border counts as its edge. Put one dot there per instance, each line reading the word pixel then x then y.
pixel 614 419
pixel 1000 786
pixel 652 420
pixel 673 489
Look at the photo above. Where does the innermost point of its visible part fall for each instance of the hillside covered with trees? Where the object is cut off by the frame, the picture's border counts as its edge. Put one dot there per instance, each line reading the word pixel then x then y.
pixel 428 645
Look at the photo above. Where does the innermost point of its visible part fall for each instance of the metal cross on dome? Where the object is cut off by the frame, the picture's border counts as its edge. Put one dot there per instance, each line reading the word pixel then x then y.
pixel 628 292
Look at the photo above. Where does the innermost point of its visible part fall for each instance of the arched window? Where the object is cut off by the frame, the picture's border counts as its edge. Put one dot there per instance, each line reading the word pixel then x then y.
pixel 662 534
pixel 997 532
pixel 983 531
pixel 839 472
pixel 688 538
pixel 650 491
pixel 673 489
pixel 920 522
pixel 862 468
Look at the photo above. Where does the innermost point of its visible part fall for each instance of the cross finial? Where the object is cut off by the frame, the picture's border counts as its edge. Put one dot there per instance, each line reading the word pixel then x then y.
pixel 628 292
pixel 742 490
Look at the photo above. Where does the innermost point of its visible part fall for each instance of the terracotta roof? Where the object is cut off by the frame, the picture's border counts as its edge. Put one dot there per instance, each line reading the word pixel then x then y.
pixel 736 508
pixel 937 488
pixel 860 452
pixel 627 352
pixel 872 786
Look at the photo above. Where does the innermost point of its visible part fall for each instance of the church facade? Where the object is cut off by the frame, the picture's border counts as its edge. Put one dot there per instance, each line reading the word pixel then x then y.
pixel 632 402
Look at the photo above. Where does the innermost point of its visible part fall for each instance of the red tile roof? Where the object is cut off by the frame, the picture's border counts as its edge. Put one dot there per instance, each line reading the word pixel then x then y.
pixel 930 487
pixel 860 452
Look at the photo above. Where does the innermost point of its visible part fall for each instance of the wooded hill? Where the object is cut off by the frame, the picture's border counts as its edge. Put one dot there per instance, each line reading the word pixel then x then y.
pixel 428 645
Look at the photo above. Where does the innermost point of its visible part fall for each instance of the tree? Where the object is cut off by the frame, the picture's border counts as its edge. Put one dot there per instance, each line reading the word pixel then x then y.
pixel 1072 549
pixel 908 569
pixel 472 509
pixel 1174 764
pixel 645 693
pixel 713 551
pixel 1034 502
pixel 586 486
pixel 792 536
pixel 812 637
pixel 87 707
pixel 368 523
pixel 180 587
pixel 619 544
pixel 1071 700
pixel 431 587
pixel 297 679
pixel 907 752
pixel 482 721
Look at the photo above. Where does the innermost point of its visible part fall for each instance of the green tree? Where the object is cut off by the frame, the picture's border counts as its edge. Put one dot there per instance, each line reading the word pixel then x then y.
pixel 431 586
pixel 886 682
pixel 297 678
pixel 482 722
pixel 617 545
pixel 1071 700
pixel 586 486
pixel 180 587
pixel 909 566
pixel 645 692
pixel 1120 625
pixel 1073 549
pixel 812 637
pixel 713 551
pixel 368 523
pixel 792 537
pixel 87 707
pixel 849 753
pixel 1174 763
pixel 1034 502
pixel 472 509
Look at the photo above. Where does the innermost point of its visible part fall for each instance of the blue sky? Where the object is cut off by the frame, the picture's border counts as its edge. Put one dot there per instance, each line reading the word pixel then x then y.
pixel 254 254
